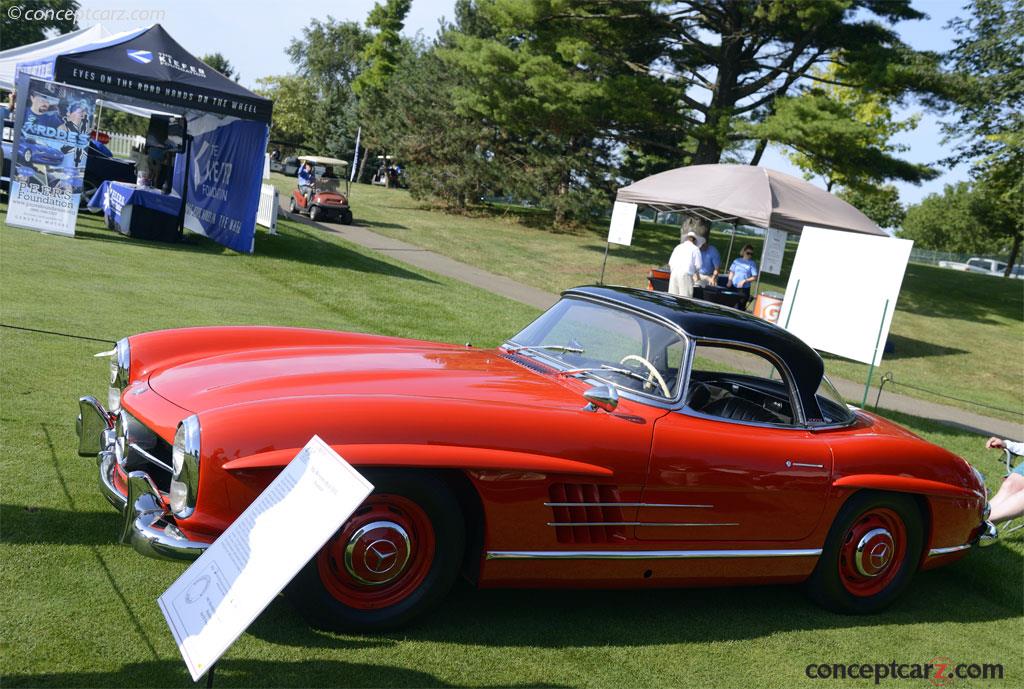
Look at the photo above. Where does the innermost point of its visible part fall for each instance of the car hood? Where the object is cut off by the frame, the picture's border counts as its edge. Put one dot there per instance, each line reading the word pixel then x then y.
pixel 416 371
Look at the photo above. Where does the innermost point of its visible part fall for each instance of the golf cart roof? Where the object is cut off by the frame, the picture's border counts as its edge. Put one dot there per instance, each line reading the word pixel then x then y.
pixel 320 160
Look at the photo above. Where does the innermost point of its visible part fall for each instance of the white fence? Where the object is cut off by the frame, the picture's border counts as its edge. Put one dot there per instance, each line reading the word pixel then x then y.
pixel 269 204
pixel 121 144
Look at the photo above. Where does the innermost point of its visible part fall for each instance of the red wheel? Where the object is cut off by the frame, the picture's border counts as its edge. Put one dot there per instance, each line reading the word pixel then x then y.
pixel 380 556
pixel 870 555
pixel 394 558
pixel 872 552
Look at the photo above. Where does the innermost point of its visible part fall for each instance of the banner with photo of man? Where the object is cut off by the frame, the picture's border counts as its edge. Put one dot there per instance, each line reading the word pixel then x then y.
pixel 51 137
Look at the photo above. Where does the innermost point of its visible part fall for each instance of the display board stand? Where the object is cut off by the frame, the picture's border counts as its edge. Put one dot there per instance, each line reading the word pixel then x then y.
pixel 871 366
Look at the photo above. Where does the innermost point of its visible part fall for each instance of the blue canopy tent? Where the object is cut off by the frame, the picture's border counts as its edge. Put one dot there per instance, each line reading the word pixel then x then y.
pixel 220 174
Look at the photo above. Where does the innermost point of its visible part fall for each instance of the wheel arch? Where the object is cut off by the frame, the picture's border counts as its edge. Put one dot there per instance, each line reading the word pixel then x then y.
pixel 922 502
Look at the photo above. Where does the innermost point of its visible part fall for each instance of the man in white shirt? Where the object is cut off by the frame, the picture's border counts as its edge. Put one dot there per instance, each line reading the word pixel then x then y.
pixel 685 265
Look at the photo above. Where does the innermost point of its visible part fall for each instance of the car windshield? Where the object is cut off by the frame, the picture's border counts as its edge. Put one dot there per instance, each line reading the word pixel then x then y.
pixel 617 346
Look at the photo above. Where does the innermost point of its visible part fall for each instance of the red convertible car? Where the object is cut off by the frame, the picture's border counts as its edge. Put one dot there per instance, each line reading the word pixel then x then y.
pixel 625 438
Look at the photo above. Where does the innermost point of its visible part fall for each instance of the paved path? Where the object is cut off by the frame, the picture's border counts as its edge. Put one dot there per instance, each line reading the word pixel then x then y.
pixel 541 299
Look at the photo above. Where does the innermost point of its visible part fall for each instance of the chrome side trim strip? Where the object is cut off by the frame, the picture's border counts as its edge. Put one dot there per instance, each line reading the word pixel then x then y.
pixel 646 554
pixel 642 524
pixel 616 504
pixel 946 551
pixel 808 465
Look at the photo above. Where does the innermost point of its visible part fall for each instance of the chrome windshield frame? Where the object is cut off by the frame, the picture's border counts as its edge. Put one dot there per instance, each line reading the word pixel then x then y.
pixel 629 393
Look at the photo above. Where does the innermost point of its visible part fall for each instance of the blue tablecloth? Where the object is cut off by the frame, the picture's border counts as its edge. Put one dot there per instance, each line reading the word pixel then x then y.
pixel 114 197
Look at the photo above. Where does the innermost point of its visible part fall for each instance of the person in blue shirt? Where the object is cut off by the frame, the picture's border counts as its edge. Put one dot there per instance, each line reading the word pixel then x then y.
pixel 307 180
pixel 743 271
pixel 710 263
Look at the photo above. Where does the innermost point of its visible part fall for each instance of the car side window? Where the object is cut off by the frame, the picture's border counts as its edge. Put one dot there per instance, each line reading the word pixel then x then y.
pixel 738 385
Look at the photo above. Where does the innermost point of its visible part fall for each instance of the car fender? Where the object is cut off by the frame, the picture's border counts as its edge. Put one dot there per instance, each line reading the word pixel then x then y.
pixel 903 484
pixel 428 456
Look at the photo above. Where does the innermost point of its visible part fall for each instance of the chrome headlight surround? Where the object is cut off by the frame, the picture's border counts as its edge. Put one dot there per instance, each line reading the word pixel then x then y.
pixel 185 464
pixel 120 373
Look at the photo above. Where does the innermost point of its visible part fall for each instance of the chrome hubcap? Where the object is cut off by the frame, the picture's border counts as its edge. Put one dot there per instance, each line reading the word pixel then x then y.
pixel 874 552
pixel 377 552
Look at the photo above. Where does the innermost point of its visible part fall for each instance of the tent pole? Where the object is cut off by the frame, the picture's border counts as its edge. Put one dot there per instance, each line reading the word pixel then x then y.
pixel 604 262
pixel 99 116
pixel 728 254
pixel 184 180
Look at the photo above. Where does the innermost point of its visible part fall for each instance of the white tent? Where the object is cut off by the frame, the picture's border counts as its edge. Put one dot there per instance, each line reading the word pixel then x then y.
pixel 9 59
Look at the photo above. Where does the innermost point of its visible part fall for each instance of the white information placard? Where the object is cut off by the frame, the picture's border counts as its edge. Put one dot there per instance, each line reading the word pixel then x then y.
pixel 773 252
pixel 623 220
pixel 219 596
pixel 842 291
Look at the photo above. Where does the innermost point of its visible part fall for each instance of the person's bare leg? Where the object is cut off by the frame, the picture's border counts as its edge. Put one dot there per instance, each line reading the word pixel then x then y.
pixel 1009 501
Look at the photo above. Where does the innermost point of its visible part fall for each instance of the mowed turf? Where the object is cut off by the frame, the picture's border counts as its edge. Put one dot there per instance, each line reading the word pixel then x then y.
pixel 960 334
pixel 76 609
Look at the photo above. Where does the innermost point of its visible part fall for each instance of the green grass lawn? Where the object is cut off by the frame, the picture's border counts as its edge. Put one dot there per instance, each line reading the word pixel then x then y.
pixel 79 610
pixel 961 334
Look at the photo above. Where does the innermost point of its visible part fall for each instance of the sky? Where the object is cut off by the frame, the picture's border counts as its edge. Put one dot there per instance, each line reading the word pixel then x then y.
pixel 253 35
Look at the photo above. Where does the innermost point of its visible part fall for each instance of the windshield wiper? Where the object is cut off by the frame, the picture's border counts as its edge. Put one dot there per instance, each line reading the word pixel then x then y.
pixel 607 369
pixel 549 347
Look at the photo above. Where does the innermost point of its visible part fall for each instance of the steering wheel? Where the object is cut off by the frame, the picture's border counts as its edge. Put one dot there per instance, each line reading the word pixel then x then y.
pixel 654 375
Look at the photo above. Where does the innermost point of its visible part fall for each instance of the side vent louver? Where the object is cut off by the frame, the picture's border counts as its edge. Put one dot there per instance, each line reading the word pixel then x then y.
pixel 605 519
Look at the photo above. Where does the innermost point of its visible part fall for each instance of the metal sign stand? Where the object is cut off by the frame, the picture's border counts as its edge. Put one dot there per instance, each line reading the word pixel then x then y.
pixel 604 262
pixel 871 366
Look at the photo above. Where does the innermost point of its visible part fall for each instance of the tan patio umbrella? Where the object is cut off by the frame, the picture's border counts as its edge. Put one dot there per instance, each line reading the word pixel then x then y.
pixel 747 194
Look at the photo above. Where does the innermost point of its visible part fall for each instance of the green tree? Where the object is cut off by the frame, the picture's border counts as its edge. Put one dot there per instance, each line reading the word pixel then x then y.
pixel 880 203
pixel 842 134
pixel 382 54
pixel 442 152
pixel 220 63
pixel 987 123
pixel 327 55
pixel 295 108
pixel 960 220
pixel 17 31
pixel 575 71
pixel 564 96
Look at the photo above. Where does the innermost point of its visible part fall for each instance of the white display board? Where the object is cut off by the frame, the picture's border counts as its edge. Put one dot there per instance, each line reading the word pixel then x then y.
pixel 842 291
pixel 774 251
pixel 623 220
pixel 220 595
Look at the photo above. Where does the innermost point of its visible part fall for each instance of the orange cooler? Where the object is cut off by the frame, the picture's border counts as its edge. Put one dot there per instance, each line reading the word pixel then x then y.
pixel 768 305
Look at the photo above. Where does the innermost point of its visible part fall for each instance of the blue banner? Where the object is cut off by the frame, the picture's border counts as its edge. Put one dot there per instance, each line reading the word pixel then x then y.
pixel 51 135
pixel 224 179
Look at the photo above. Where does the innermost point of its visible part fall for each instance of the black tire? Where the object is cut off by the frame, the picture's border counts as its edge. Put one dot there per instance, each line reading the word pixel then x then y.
pixel 828 585
pixel 314 213
pixel 312 597
pixel 291 205
pixel 346 217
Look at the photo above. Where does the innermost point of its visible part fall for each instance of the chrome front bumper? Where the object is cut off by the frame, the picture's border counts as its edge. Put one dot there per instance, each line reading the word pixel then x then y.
pixel 146 523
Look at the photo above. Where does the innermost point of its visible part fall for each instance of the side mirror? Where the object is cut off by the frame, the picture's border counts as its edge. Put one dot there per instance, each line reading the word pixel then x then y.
pixel 601 397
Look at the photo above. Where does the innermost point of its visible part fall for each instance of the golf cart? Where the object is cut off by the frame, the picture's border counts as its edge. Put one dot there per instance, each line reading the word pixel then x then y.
pixel 326 202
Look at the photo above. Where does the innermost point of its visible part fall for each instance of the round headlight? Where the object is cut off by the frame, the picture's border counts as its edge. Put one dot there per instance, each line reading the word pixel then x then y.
pixel 185 463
